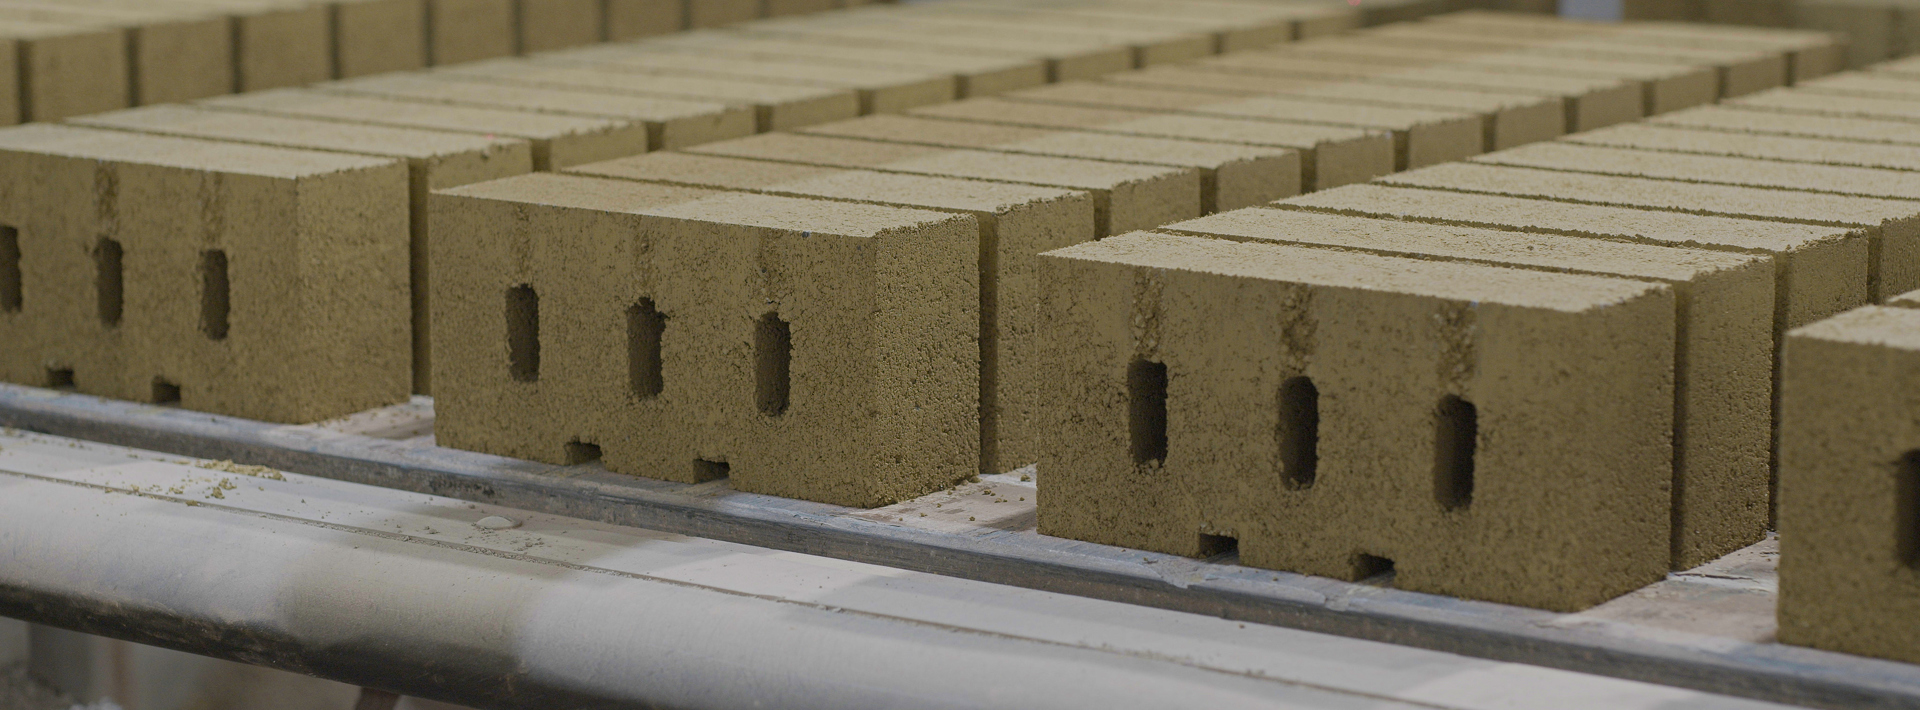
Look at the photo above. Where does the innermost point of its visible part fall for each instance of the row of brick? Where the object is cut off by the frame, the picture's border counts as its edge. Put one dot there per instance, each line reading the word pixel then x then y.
pixel 61 58
pixel 1130 164
pixel 1876 30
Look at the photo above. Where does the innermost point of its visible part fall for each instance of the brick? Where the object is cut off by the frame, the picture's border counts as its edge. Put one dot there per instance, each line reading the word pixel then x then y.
pixel 1713 169
pixel 66 70
pixel 1838 118
pixel 547 25
pixel 1808 53
pixel 435 160
pixel 1723 361
pixel 975 75
pixel 782 8
pixel 633 19
pixel 1870 29
pixel 1330 156
pixel 1064 62
pixel 776 107
pixel 1421 137
pixel 1231 176
pixel 1236 26
pixel 280 44
pixel 1822 270
pixel 1741 72
pixel 671 123
pixel 469 30
pixel 308 323
pixel 716 13
pixel 880 90
pixel 556 141
pixel 1893 227
pixel 1126 197
pixel 1588 103
pixel 1212 330
pixel 1863 85
pixel 1799 150
pixel 868 397
pixel 1506 120
pixel 1147 48
pixel 174 54
pixel 1663 87
pixel 378 36
pixel 1849 498
pixel 1017 223
pixel 1227 34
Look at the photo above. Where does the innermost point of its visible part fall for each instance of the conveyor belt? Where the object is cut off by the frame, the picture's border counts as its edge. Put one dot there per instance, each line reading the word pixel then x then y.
pixel 1004 549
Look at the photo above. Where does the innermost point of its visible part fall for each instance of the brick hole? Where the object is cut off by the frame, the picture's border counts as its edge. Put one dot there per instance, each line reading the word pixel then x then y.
pixel 645 327
pixel 215 304
pixel 1373 569
pixel 1299 432
pixel 1218 546
pixel 11 296
pixel 108 281
pixel 773 362
pixel 1907 509
pixel 704 470
pixel 579 452
pixel 60 378
pixel 165 392
pixel 523 333
pixel 1456 434
pixel 1147 418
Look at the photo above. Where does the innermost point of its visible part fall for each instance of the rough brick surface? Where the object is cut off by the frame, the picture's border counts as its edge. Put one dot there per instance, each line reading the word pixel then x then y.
pixel 671 122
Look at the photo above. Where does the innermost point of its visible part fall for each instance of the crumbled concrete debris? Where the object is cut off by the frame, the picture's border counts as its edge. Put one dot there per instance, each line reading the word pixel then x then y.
pixel 243 469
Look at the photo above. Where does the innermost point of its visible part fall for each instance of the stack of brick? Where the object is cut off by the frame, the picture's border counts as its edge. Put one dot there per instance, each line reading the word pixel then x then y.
pixel 73 57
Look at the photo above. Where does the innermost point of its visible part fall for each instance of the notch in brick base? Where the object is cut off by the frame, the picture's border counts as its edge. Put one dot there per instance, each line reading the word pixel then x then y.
pixel 165 392
pixel 704 470
pixel 1373 569
pixel 60 378
pixel 579 452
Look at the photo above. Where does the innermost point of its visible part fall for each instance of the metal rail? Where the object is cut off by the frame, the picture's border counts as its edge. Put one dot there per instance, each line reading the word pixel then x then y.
pixel 1760 671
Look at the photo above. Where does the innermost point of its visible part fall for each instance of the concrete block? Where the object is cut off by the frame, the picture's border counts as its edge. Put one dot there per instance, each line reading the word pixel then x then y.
pixel 67 70
pixel 1126 197
pixel 547 25
pixel 782 8
pixel 1810 53
pixel 1236 26
pixel 1741 71
pixel 1231 176
pixel 555 141
pixel 1065 62
pixel 1797 150
pixel 1866 120
pixel 235 279
pixel 1421 137
pixel 1723 361
pixel 282 44
pixel 717 13
pixel 1588 103
pixel 880 90
pixel 1875 85
pixel 776 106
pixel 378 36
pixel 1506 119
pixel 1663 87
pixel 1342 414
pixel 1017 223
pixel 469 30
pixel 1821 270
pixel 1713 169
pixel 1869 28
pixel 435 160
pixel 1892 226
pixel 1330 156
pixel 1228 34
pixel 1850 485
pixel 174 53
pixel 671 123
pixel 975 75
pixel 1147 48
pixel 807 349
pixel 633 19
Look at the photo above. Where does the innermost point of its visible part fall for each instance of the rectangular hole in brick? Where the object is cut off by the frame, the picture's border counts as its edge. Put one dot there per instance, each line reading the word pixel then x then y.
pixel 214 297
pixel 523 333
pixel 1456 435
pixel 704 470
pixel 165 392
pixel 1147 416
pixel 1907 509
pixel 773 363
pixel 1373 569
pixel 579 452
pixel 60 378
pixel 645 327
pixel 1217 546
pixel 108 281
pixel 1299 432
pixel 11 295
